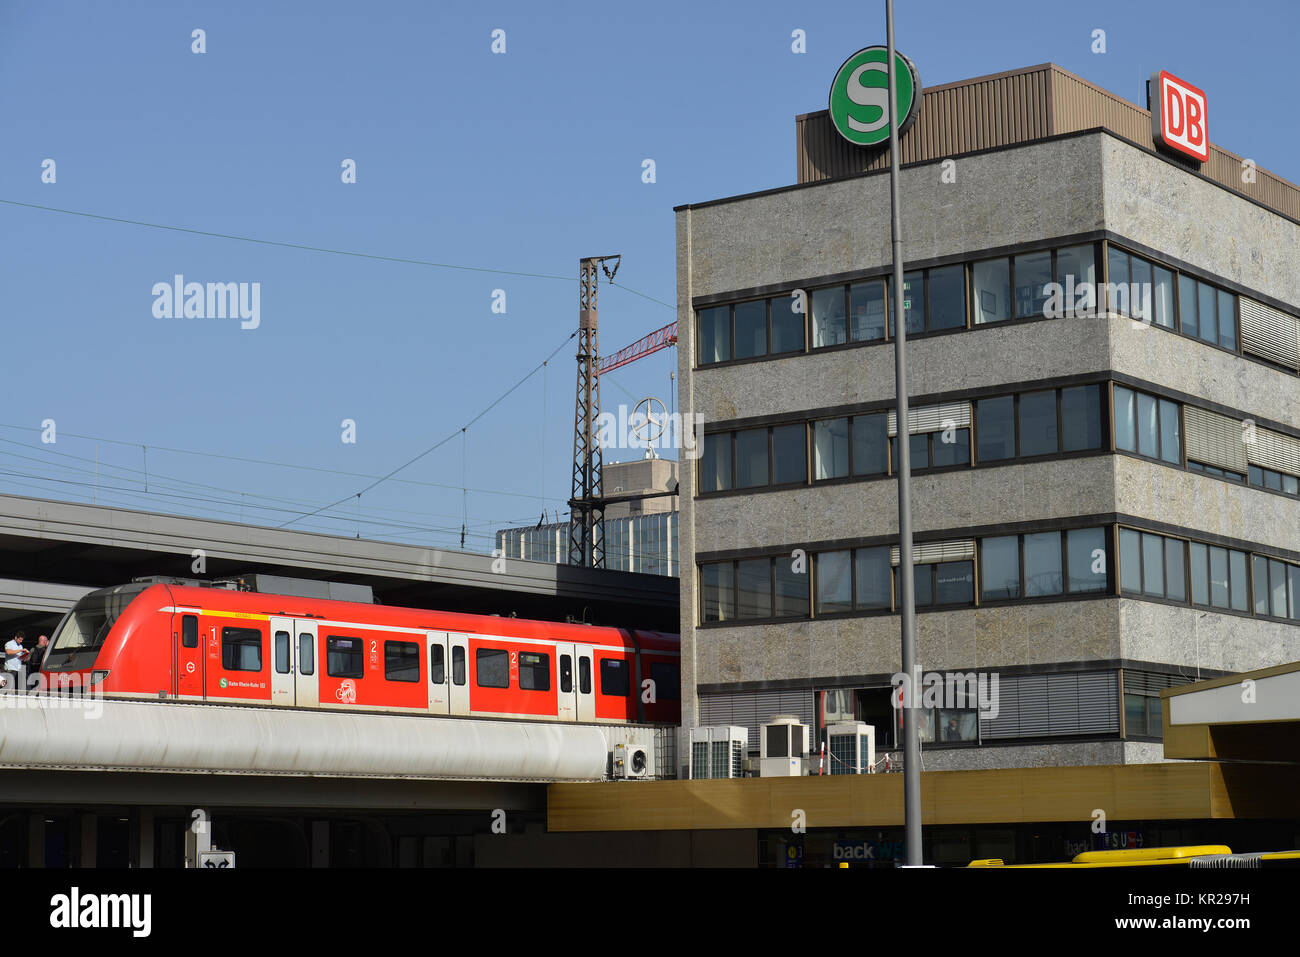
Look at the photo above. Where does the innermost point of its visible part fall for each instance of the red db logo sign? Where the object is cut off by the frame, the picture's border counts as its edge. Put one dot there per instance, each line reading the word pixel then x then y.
pixel 1178 116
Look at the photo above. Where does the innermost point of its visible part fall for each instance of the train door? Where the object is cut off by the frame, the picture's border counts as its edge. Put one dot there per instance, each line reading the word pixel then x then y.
pixel 567 690
pixel 306 682
pixel 188 656
pixel 283 691
pixel 458 650
pixel 439 673
pixel 293 663
pixel 585 683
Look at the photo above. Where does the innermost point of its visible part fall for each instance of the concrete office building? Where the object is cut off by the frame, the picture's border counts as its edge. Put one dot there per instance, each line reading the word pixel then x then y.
pixel 640 534
pixel 1103 507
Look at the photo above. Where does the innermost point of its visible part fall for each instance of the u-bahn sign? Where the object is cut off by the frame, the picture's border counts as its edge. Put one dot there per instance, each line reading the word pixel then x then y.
pixel 859 101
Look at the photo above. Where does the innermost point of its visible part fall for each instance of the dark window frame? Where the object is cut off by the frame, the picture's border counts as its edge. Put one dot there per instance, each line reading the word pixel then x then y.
pixel 400 647
pixel 283 658
pixel 492 653
pixel 233 637
pixel 621 668
pixel 331 650
pixel 537 669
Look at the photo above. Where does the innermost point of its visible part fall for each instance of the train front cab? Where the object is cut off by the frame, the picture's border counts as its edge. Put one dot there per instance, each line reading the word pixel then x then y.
pixel 87 648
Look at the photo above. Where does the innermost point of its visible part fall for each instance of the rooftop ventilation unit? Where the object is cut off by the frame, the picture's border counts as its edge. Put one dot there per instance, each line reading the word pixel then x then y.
pixel 718 752
pixel 852 747
pixel 785 747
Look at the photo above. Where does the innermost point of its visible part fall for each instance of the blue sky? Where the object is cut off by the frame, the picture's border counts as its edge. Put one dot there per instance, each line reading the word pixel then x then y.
pixel 523 162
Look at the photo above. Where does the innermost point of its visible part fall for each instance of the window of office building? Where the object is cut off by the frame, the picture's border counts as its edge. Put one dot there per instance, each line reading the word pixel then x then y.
pixel 867 305
pixel 1152 565
pixel 1076 265
pixel 787 325
pixel 1032 274
pixel 929 450
pixel 789 454
pixel 751 458
pixel 995 428
pixel 941 583
pixel 1277 588
pixel 1037 422
pixel 934 299
pixel 1218 576
pixel 1147 425
pixel 870 444
pixel 829 319
pixel 1207 313
pixel 749 329
pixel 1000 568
pixel 717 591
pixel 791 589
pixel 715 462
pixel 991 290
pixel 1271 479
pixel 715 334
pixel 754 588
pixel 1046 422
pixel 1081 418
pixel 831 448
pixel 871 577
pixel 834 582
pixel 1140 288
pixel 1053 563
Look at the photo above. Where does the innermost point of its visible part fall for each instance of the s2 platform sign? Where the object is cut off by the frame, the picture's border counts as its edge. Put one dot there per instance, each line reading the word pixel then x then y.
pixel 859 100
pixel 1178 116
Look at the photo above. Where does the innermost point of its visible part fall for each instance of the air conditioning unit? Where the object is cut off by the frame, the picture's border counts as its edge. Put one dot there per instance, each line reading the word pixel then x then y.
pixel 784 747
pixel 718 751
pixel 632 761
pixel 852 746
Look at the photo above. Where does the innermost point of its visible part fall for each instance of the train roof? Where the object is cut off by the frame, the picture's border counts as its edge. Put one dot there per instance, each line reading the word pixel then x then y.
pixel 290 606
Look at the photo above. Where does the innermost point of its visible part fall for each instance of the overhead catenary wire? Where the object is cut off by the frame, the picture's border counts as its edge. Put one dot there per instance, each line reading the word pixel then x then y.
pixel 437 445
pixel 306 247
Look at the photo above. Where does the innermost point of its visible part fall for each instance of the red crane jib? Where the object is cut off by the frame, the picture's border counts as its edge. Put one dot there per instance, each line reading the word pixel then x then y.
pixel 659 339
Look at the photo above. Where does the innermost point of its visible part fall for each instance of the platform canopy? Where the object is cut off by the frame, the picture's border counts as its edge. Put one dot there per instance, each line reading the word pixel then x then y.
pixel 1254 716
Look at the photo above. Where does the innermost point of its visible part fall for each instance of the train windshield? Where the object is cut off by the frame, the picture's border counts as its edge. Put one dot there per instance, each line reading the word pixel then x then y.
pixel 87 625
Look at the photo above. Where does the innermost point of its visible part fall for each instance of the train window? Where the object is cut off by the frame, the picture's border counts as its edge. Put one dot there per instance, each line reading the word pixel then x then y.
pixel 437 665
pixel 282 652
pixel 566 673
pixel 534 671
pixel 492 665
pixel 401 661
pixel 584 675
pixel 614 677
pixel 306 654
pixel 668 681
pixel 344 657
pixel 190 631
pixel 241 649
pixel 458 666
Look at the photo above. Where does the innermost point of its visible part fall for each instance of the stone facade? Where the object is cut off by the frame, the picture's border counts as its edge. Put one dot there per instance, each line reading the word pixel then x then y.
pixel 1093 185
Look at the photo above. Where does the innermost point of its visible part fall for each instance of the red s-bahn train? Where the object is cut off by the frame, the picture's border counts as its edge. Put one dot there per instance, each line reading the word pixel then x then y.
pixel 236 647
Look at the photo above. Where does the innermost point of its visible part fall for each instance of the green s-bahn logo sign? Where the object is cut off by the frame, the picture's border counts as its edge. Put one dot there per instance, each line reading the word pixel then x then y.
pixel 859 104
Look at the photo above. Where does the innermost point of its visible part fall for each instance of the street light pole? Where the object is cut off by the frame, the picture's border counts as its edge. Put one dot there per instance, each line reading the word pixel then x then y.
pixel 907 585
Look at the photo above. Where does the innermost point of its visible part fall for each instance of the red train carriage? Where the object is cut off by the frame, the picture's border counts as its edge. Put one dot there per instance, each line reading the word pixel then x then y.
pixel 212 644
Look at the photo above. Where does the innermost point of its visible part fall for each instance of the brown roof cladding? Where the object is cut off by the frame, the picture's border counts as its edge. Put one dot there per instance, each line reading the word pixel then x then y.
pixel 1018 106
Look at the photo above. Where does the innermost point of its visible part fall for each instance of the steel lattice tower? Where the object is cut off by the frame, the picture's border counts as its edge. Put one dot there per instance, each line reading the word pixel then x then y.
pixel 587 508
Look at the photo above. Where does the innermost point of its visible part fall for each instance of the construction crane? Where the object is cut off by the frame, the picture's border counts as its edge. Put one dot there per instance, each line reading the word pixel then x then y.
pixel 587 506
